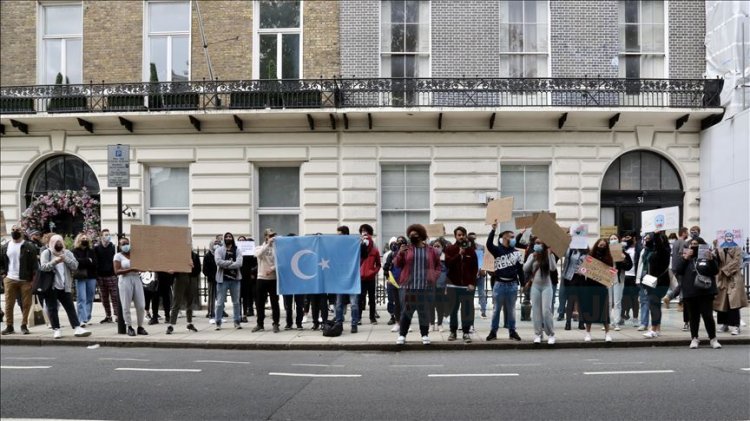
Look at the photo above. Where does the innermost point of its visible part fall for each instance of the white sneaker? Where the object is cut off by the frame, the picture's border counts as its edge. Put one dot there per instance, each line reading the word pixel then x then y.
pixel 304 319
pixel 715 343
pixel 425 340
pixel 395 328
pixel 734 331
pixel 440 328
pixel 603 328
pixel 471 330
pixel 694 343
pixel 56 334
pixel 434 328
pixel 651 334
pixel 617 328
pixel 607 338
pixel 587 338
pixel 401 340
pixel 537 339
pixel 641 328
pixel 212 321
pixel 551 340
pixel 81 332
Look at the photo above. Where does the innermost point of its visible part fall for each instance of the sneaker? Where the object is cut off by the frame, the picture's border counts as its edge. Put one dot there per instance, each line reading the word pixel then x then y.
pixel 354 328
pixel 636 324
pixel 666 301
pixel 452 336
pixel 694 343
pixel 641 328
pixel 212 321
pixel 537 339
pixel 433 327
pixel 604 328
pixel 373 322
pixel 304 319
pixel 400 340
pixel 131 332
pixel 243 319
pixel 395 328
pixel 483 315
pixel 686 327
pixel 492 336
pixel 560 317
pixel 170 329
pixel 56 334
pixel 81 332
pixel 153 321
pixel 218 327
pixel 467 338
pixel 724 328
pixel 191 328
pixel 734 331
pixel 25 330
pixel 141 331
pixel 651 334
pixel 377 315
pixel 288 327
pixel 440 328
pixel 425 340
pixel 471 329
pixel 237 325
pixel 257 328
pixel 276 328
pixel 514 335
pixel 299 327
pixel 107 319
pixel 617 328
pixel 587 337
pixel 83 324
pixel 607 338
pixel 8 330
pixel 551 340
pixel 316 326
pixel 715 343
pixel 392 321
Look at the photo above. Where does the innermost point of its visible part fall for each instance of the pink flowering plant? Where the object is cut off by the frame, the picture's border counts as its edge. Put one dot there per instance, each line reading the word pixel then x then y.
pixel 46 206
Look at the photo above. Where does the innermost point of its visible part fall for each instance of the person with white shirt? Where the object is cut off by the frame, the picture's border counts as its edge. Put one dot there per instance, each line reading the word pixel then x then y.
pixel 18 262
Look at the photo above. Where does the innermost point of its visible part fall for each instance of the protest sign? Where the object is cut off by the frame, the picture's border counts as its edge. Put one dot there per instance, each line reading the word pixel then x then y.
pixel 579 236
pixel 598 271
pixel 617 254
pixel 547 230
pixel 607 230
pixel 729 238
pixel 528 221
pixel 247 248
pixel 160 249
pixel 660 219
pixel 3 229
pixel 435 230
pixel 500 210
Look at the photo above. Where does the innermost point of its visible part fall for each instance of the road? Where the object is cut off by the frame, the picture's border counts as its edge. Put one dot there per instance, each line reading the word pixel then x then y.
pixel 141 383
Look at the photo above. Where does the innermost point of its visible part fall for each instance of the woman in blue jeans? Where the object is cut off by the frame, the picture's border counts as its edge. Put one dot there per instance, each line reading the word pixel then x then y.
pixel 85 277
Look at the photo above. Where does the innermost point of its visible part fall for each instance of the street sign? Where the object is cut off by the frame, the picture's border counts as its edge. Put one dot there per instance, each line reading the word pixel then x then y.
pixel 118 165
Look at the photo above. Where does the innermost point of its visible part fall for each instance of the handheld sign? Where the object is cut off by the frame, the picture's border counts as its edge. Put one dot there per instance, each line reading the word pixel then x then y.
pixel 617 254
pixel 3 229
pixel 607 230
pixel 160 249
pixel 529 221
pixel 435 230
pixel 500 210
pixel 579 234
pixel 598 271
pixel 547 230
pixel 660 219
pixel 246 248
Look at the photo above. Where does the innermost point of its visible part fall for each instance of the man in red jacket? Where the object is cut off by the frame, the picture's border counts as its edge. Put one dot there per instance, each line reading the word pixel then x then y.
pixel 369 266
pixel 463 267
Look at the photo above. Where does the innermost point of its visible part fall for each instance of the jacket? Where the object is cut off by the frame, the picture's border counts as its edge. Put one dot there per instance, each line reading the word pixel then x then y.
pixel 196 272
pixel 686 268
pixel 508 260
pixel 209 266
pixel 369 261
pixel 104 259
pixel 462 270
pixel 222 263
pixel 405 261
pixel 28 261
pixel 623 267
pixel 71 264
pixel 249 268
pixel 729 282
pixel 266 262
pixel 86 261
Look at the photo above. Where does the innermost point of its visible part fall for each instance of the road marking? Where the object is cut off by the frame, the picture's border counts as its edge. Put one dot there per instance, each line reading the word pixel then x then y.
pixel 222 362
pixel 592 373
pixel 519 365
pixel 593 359
pixel 416 365
pixel 475 375
pixel 635 362
pixel 317 365
pixel 745 369
pixel 314 375
pixel 161 370
pixel 30 358
pixel 23 367
pixel 123 359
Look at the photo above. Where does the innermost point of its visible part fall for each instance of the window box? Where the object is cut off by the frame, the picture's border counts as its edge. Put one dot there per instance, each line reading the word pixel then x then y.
pixel 256 100
pixel 67 104
pixel 125 103
pixel 10 105
pixel 303 99
pixel 180 101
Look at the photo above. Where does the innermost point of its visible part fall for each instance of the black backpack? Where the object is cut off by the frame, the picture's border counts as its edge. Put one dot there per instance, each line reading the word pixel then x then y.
pixel 332 328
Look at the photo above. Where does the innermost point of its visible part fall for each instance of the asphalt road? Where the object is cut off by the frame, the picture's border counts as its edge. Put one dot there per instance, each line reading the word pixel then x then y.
pixel 120 383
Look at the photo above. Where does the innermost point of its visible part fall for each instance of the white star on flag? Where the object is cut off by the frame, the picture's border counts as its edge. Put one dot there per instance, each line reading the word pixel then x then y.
pixel 324 264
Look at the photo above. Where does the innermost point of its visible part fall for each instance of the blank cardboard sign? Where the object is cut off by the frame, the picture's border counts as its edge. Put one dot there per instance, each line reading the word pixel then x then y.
pixel 547 230
pixel 160 249
pixel 529 221
pixel 435 230
pixel 500 210
pixel 3 229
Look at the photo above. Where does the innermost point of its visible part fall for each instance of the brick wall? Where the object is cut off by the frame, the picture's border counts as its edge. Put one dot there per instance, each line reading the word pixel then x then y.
pixel 360 35
pixel 465 38
pixel 687 32
pixel 18 43
pixel 322 55
pixel 113 41
pixel 223 20
pixel 584 38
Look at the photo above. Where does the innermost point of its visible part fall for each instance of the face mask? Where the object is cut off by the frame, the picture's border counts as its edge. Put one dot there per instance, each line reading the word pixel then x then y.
pixel 366 242
pixel 695 251
pixel 624 244
pixel 84 243
pixel 414 239
pixel 228 242
pixel 125 248
pixel 16 235
pixel 538 248
pixel 613 242
pixel 649 243
pixel 394 247
pixel 58 247
pixel 107 238
pixel 693 235
pixel 512 243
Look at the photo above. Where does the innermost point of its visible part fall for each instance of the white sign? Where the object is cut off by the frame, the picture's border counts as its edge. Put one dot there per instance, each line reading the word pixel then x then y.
pixel 579 234
pixel 118 166
pixel 247 248
pixel 660 219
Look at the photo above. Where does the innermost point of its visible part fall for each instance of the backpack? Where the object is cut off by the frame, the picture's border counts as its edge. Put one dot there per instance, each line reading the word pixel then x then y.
pixel 332 328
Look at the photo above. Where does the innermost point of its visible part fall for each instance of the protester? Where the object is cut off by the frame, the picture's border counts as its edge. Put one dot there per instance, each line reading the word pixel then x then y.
pixel 249 273
pixel 420 268
pixel 266 284
pixel 184 286
pixel 630 290
pixel 677 247
pixel 18 262
pixel 228 277
pixel 731 295
pixel 573 282
pixel 369 268
pixel 508 273
pixel 643 262
pixel 481 283
pixel 104 252
pixel 537 271
pixel 163 293
pixel 130 288
pixel 698 298
pixel 656 264
pixel 593 300
pixel 85 277
pixel 394 295
pixel 209 271
pixel 440 309
pixel 461 260
pixel 62 263
pixel 617 291
pixel 353 298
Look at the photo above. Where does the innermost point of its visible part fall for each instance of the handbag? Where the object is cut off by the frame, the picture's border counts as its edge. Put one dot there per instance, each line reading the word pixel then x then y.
pixel 650 281
pixel 150 282
pixel 42 282
pixel 81 274
pixel 701 281
pixel 38 313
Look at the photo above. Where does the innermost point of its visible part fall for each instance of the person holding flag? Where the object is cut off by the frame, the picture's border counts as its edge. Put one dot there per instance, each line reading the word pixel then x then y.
pixel 266 284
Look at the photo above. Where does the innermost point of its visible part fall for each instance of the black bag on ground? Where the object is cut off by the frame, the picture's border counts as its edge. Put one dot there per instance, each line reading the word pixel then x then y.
pixel 332 328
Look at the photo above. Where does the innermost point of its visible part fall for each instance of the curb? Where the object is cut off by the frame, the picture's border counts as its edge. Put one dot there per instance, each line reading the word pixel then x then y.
pixel 363 346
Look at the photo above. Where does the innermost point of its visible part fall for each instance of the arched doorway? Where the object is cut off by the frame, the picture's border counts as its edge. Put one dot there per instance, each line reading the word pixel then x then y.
pixel 638 181
pixel 60 173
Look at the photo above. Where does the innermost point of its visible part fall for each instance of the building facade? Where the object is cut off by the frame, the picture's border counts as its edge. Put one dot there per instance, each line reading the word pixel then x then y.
pixel 306 115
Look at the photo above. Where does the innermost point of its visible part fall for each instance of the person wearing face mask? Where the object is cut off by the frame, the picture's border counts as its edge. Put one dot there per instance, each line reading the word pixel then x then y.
pixel 618 288
pixel 85 277
pixel 508 274
pixel 247 285
pixel 642 271
pixel 130 289
pixel 18 262
pixel 209 271
pixel 266 284
pixel 573 282
pixel 593 304
pixel 537 269
pixel 481 284
pixel 184 285
pixel 440 309
pixel 63 263
pixel 104 252
pixel 655 263
pixel 369 267
pixel 630 290
pixel 463 268
pixel 677 247
pixel 390 290
pixel 228 276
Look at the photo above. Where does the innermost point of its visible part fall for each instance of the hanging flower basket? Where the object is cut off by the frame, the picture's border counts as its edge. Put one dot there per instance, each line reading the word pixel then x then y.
pixel 43 208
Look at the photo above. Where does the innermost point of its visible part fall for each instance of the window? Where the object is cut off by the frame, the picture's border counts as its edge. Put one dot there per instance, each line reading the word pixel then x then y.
pixel 524 47
pixel 529 186
pixel 641 171
pixel 278 199
pixel 278 39
pixel 405 197
pixel 62 172
pixel 169 196
pixel 168 41
pixel 642 34
pixel 62 36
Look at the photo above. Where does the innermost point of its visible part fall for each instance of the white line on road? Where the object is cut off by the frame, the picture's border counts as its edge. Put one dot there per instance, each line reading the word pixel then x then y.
pixel 314 375
pixel 30 358
pixel 222 362
pixel 475 375
pixel 416 365
pixel 22 367
pixel 317 365
pixel 123 359
pixel 519 365
pixel 745 369
pixel 161 370
pixel 593 359
pixel 592 373
pixel 635 362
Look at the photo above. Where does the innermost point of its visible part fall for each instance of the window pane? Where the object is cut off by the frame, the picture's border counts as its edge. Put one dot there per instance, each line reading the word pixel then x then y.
pixel 650 171
pixel 607 217
pixel 652 66
pixel 56 174
pixel 52 60
pixel 38 181
pixel 630 171
pixel 395 223
pixel 515 11
pixel 73 60
pixel 73 174
pixel 529 11
pixel 279 14
pixel 290 56
pixel 632 67
pixel 537 187
pixel 393 197
pixel 652 11
pixel 282 224
pixel 392 176
pixel 169 220
pixel 268 57
pixel 169 187
pixel 516 65
pixel 516 37
pixel 397 66
pixel 511 184
pixel 158 58
pixel 504 37
pixel 397 37
pixel 180 59
pixel 631 11
pixel 169 17
pixel 63 20
pixel 669 178
pixel 397 11
pixel 417 198
pixel 411 12
pixel 278 187
pixel 612 177
pixel 632 44
pixel 411 37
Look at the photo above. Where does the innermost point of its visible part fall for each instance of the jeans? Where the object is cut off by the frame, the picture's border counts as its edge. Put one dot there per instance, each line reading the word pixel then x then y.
pixel 643 300
pixel 221 293
pixel 552 304
pixel 504 294
pixel 85 289
pixel 541 311
pixel 421 301
pixel 482 293
pixel 463 298
pixel 266 289
pixel 340 306
pixel 368 291
pixel 615 299
pixel 562 300
pixel 294 303
pixel 66 299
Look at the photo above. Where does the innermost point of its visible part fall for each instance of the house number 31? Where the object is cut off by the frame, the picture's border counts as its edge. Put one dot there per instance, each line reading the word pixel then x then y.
pixel 639 199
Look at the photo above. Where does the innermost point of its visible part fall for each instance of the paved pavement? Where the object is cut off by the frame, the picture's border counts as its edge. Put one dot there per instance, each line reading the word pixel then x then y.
pixel 369 337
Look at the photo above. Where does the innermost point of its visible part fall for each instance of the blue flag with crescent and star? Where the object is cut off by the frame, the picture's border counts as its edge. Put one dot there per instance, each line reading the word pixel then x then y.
pixel 318 264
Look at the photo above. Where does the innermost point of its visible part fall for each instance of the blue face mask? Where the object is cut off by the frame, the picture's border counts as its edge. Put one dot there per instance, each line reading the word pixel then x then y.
pixel 538 248
pixel 512 243
pixel 125 248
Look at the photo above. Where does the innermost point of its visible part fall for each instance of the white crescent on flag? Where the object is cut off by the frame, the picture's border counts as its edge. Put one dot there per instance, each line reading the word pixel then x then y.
pixel 295 264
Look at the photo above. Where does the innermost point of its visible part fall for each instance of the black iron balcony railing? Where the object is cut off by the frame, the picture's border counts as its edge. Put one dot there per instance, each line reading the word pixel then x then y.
pixel 361 93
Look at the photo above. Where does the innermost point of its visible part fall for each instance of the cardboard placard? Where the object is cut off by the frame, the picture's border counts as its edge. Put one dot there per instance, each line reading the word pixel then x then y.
pixel 660 219
pixel 617 254
pixel 435 230
pixel 729 238
pixel 579 236
pixel 607 230
pixel 529 221
pixel 547 230
pixel 3 229
pixel 246 248
pixel 160 249
pixel 488 262
pixel 500 210
pixel 598 271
